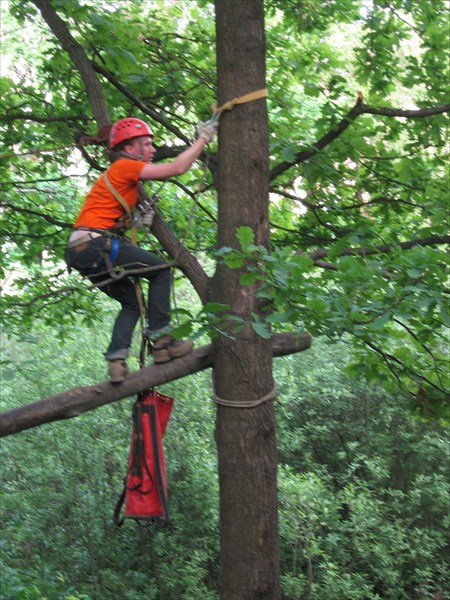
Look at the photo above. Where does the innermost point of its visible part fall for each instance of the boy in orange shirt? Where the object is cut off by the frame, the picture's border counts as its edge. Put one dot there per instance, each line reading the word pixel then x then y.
pixel 95 245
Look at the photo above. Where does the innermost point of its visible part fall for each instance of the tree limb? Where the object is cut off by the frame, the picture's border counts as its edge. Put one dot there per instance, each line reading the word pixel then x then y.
pixel 429 241
pixel 73 402
pixel 77 54
pixel 9 118
pixel 185 261
pixel 409 114
pixel 359 109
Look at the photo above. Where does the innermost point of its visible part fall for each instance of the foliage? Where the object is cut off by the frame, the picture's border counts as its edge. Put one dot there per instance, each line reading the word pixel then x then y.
pixel 60 484
pixel 362 486
pixel 358 204
pixel 397 316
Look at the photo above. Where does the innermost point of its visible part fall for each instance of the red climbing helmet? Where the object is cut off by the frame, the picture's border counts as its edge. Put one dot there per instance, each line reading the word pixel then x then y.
pixel 127 128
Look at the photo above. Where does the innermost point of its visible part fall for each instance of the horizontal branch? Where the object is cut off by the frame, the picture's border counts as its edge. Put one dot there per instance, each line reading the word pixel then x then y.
pixel 10 118
pixel 409 114
pixel 433 240
pixel 28 211
pixel 76 401
pixel 359 109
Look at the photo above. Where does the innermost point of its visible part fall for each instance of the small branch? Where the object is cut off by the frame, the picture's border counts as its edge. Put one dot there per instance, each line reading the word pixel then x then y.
pixel 77 54
pixel 429 241
pixel 422 345
pixel 10 118
pixel 322 142
pixel 135 100
pixel 390 360
pixel 28 211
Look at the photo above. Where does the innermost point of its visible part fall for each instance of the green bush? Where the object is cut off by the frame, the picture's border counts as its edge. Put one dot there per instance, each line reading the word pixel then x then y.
pixel 363 488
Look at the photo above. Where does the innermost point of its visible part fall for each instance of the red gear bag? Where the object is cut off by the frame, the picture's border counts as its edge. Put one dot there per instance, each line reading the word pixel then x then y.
pixel 145 493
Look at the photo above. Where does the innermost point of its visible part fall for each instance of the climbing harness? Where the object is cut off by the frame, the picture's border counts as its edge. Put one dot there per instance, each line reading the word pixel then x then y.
pixel 128 221
pixel 145 493
pixel 80 239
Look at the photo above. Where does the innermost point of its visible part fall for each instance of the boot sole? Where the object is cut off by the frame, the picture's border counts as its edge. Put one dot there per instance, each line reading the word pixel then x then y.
pixel 163 356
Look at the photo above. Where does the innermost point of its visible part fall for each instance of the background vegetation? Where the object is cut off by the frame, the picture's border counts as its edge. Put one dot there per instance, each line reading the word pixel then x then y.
pixel 358 228
pixel 363 487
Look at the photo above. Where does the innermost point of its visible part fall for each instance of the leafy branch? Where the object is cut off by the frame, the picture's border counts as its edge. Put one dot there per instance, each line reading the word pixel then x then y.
pixel 384 248
pixel 11 117
pixel 29 211
pixel 359 109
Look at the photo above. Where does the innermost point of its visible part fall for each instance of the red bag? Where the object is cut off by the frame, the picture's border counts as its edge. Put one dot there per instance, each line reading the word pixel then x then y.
pixel 145 485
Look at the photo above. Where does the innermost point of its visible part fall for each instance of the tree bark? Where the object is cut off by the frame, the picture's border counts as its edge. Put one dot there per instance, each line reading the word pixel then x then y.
pixel 249 563
pixel 74 402
pixel 77 54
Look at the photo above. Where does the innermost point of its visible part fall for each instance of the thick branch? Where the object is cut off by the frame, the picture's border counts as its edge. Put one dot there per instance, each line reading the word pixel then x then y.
pixel 78 400
pixel 409 114
pixel 78 56
pixel 359 109
pixel 185 261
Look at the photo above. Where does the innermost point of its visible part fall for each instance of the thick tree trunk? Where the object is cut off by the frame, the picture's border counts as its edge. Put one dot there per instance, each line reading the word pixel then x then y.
pixel 243 366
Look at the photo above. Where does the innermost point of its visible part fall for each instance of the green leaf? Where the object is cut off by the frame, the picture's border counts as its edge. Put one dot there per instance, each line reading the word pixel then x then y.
pixel 249 278
pixel 223 250
pixel 245 236
pixel 233 260
pixel 288 154
pixel 215 307
pixel 261 330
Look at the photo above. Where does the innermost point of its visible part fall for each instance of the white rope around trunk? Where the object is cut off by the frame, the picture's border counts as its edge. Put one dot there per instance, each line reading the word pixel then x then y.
pixel 246 403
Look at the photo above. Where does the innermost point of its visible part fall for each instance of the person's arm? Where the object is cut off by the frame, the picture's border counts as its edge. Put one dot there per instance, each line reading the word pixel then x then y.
pixel 205 132
pixel 178 166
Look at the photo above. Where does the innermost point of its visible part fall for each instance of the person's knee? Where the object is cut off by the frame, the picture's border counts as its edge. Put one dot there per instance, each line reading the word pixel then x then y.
pixel 161 277
pixel 131 305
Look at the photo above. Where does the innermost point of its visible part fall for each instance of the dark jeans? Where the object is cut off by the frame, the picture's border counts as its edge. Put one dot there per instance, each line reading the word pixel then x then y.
pixel 88 260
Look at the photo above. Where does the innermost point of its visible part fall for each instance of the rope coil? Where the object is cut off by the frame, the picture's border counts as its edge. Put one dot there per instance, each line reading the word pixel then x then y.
pixel 246 403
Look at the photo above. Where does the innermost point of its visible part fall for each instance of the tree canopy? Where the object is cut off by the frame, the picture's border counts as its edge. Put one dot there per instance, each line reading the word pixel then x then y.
pixel 358 172
pixel 363 488
pixel 321 212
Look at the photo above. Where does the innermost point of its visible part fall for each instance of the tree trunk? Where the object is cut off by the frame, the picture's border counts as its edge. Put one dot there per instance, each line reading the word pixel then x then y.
pixel 245 437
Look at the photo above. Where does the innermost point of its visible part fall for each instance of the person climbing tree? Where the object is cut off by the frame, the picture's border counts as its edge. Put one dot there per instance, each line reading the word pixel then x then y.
pixel 99 250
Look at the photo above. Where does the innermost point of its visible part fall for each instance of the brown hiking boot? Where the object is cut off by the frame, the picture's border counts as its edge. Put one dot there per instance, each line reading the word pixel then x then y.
pixel 118 370
pixel 167 348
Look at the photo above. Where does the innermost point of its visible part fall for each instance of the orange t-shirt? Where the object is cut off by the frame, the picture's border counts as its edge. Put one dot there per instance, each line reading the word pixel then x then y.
pixel 100 209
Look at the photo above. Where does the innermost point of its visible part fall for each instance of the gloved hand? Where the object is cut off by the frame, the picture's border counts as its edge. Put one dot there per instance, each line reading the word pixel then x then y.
pixel 207 130
pixel 144 220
